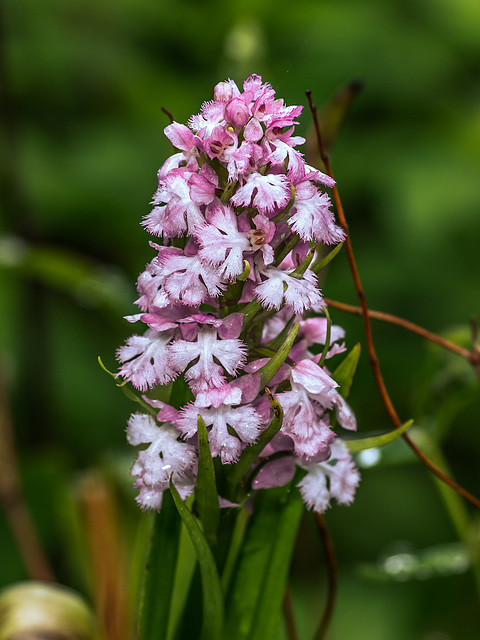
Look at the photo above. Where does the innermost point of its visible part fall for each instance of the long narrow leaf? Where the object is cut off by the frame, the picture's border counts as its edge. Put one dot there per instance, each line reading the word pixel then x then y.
pixel 187 561
pixel 261 573
pixel 212 591
pixel 356 445
pixel 270 369
pixel 206 490
pixel 160 572
pixel 236 541
pixel 269 607
pixel 318 266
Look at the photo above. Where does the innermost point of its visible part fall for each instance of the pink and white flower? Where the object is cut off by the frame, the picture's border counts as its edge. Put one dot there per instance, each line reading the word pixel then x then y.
pixel 206 373
pixel 146 361
pixel 336 478
pixel 263 192
pixel 281 286
pixel 244 420
pixel 236 193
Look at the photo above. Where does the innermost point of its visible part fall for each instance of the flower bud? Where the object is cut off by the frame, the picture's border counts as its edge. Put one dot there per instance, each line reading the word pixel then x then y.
pixel 36 610
pixel 237 113
pixel 223 92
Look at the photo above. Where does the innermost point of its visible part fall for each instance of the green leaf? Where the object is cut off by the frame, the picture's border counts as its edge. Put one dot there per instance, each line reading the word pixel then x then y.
pixel 250 310
pixel 211 588
pixel 318 266
pixel 255 600
pixel 186 564
pixel 345 371
pixel 373 442
pixel 284 214
pixel 269 608
pixel 160 572
pixel 285 247
pixel 300 270
pixel 280 338
pixel 236 540
pixel 206 494
pixel 270 369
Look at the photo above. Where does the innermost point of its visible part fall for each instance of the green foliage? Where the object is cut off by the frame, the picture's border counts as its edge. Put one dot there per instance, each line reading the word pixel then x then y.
pixel 81 140
pixel 206 494
pixel 211 588
pixel 268 370
pixel 254 601
pixel 160 572
pixel 345 371
pixel 355 445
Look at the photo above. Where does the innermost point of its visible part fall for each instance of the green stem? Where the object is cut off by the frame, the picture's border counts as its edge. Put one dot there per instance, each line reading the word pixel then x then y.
pixel 300 270
pixel 327 338
pixel 285 247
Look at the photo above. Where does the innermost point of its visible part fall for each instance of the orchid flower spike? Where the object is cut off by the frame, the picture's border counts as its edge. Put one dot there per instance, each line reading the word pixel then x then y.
pixel 236 221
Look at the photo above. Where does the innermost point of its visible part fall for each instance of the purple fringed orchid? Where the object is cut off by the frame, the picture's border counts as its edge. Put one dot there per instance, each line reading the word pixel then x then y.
pixel 240 216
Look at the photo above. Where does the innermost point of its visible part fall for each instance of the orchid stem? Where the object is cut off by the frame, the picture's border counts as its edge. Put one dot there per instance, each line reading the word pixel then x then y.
pixel 332 577
pixel 288 614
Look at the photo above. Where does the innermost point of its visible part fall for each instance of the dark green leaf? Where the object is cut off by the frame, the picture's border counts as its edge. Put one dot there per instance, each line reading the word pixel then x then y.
pixel 322 263
pixel 211 588
pixel 345 371
pixel 270 369
pixel 206 494
pixel 250 311
pixel 254 604
pixel 328 336
pixel 160 572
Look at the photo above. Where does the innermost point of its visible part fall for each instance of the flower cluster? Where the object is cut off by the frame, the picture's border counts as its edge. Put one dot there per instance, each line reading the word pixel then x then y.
pixel 240 215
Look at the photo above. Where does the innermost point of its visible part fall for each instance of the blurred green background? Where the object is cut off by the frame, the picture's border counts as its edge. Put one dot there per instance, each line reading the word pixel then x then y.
pixel 82 86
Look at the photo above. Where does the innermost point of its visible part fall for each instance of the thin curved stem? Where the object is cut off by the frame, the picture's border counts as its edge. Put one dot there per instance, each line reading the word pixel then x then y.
pixel 332 577
pixel 374 362
pixel 406 324
pixel 167 112
pixel 288 614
